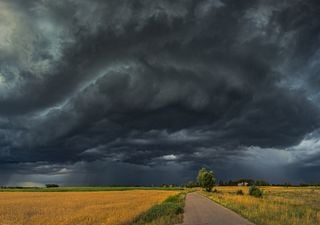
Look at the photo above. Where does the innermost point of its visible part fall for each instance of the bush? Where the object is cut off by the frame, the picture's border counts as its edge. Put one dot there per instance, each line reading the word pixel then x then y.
pixel 255 191
pixel 239 192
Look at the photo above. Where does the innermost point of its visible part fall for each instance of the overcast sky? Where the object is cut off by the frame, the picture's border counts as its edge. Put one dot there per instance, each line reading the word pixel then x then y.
pixel 146 92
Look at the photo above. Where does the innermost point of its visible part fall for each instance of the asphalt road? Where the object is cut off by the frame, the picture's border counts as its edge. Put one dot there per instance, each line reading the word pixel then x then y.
pixel 199 210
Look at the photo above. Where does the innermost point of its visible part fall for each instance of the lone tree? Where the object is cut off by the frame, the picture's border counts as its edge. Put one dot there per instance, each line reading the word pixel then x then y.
pixel 206 179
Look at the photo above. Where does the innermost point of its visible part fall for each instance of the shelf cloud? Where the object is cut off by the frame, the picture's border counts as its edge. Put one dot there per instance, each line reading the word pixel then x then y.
pixel 98 92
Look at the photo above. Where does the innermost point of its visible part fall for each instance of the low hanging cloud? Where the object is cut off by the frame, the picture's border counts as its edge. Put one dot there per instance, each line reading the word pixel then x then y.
pixel 152 85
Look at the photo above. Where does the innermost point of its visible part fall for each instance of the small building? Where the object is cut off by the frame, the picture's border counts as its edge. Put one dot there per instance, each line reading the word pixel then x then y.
pixel 243 184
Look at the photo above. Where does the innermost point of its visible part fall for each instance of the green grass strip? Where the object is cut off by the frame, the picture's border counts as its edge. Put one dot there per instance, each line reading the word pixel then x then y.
pixel 168 212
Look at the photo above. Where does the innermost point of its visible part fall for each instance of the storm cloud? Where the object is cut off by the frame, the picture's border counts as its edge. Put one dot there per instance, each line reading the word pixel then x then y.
pixel 98 92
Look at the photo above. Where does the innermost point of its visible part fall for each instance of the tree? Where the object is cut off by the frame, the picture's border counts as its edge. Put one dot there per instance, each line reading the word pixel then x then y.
pixel 206 179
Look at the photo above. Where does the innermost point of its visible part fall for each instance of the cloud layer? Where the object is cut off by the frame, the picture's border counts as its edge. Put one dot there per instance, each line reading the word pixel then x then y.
pixel 158 86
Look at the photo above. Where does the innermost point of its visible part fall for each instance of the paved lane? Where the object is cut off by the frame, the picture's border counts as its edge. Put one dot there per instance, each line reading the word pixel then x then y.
pixel 199 210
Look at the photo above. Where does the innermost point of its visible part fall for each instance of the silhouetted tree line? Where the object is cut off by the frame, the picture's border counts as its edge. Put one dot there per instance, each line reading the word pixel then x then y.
pixel 17 187
pixel 192 184
pixel 297 185
pixel 263 183
pixel 169 185
pixel 52 185
pixel 248 182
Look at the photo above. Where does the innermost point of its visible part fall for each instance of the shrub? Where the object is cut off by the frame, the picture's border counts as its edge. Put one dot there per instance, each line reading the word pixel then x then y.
pixel 255 191
pixel 239 192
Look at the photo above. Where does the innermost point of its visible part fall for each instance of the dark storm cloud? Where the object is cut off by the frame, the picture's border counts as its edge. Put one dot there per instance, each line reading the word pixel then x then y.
pixel 152 83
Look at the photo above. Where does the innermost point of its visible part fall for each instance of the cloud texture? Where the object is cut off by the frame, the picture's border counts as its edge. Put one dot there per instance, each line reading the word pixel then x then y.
pixel 165 86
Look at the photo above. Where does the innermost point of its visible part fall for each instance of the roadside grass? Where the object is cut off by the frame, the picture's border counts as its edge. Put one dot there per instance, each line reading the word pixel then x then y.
pixel 277 206
pixel 168 212
pixel 84 189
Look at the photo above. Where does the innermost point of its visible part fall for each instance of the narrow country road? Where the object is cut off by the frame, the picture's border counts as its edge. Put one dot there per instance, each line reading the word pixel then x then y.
pixel 201 211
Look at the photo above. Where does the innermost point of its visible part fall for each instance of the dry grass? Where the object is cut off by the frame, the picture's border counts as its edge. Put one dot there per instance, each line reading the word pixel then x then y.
pixel 80 208
pixel 279 205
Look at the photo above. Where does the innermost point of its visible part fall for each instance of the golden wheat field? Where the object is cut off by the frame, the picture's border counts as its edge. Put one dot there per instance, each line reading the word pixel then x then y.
pixel 76 208
pixel 278 206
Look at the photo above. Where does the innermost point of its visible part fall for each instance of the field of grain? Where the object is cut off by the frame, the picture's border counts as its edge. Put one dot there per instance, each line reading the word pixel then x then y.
pixel 80 208
pixel 278 206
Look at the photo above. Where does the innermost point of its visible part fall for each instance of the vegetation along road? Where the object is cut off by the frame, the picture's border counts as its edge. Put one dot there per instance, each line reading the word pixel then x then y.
pixel 199 210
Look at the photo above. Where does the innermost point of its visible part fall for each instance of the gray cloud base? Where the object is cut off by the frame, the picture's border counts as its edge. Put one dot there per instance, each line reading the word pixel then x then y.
pixel 158 86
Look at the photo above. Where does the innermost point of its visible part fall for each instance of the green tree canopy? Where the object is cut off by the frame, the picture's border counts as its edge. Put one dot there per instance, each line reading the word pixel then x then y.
pixel 206 179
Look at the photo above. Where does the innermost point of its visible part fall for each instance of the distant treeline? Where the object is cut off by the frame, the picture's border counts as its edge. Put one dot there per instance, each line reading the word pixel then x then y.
pixel 190 184
pixel 17 187
pixel 297 185
pixel 52 185
pixel 34 187
pixel 109 187
pixel 242 182
pixel 250 182
pixel 245 182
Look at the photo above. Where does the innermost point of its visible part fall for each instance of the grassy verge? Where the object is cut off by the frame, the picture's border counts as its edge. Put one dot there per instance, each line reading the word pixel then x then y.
pixel 168 212
pixel 278 206
pixel 81 189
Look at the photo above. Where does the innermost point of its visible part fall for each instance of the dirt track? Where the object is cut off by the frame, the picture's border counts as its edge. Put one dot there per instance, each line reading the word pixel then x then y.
pixel 201 211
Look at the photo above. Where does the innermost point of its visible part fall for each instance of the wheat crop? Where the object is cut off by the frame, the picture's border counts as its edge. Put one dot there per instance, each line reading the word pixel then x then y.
pixel 77 208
